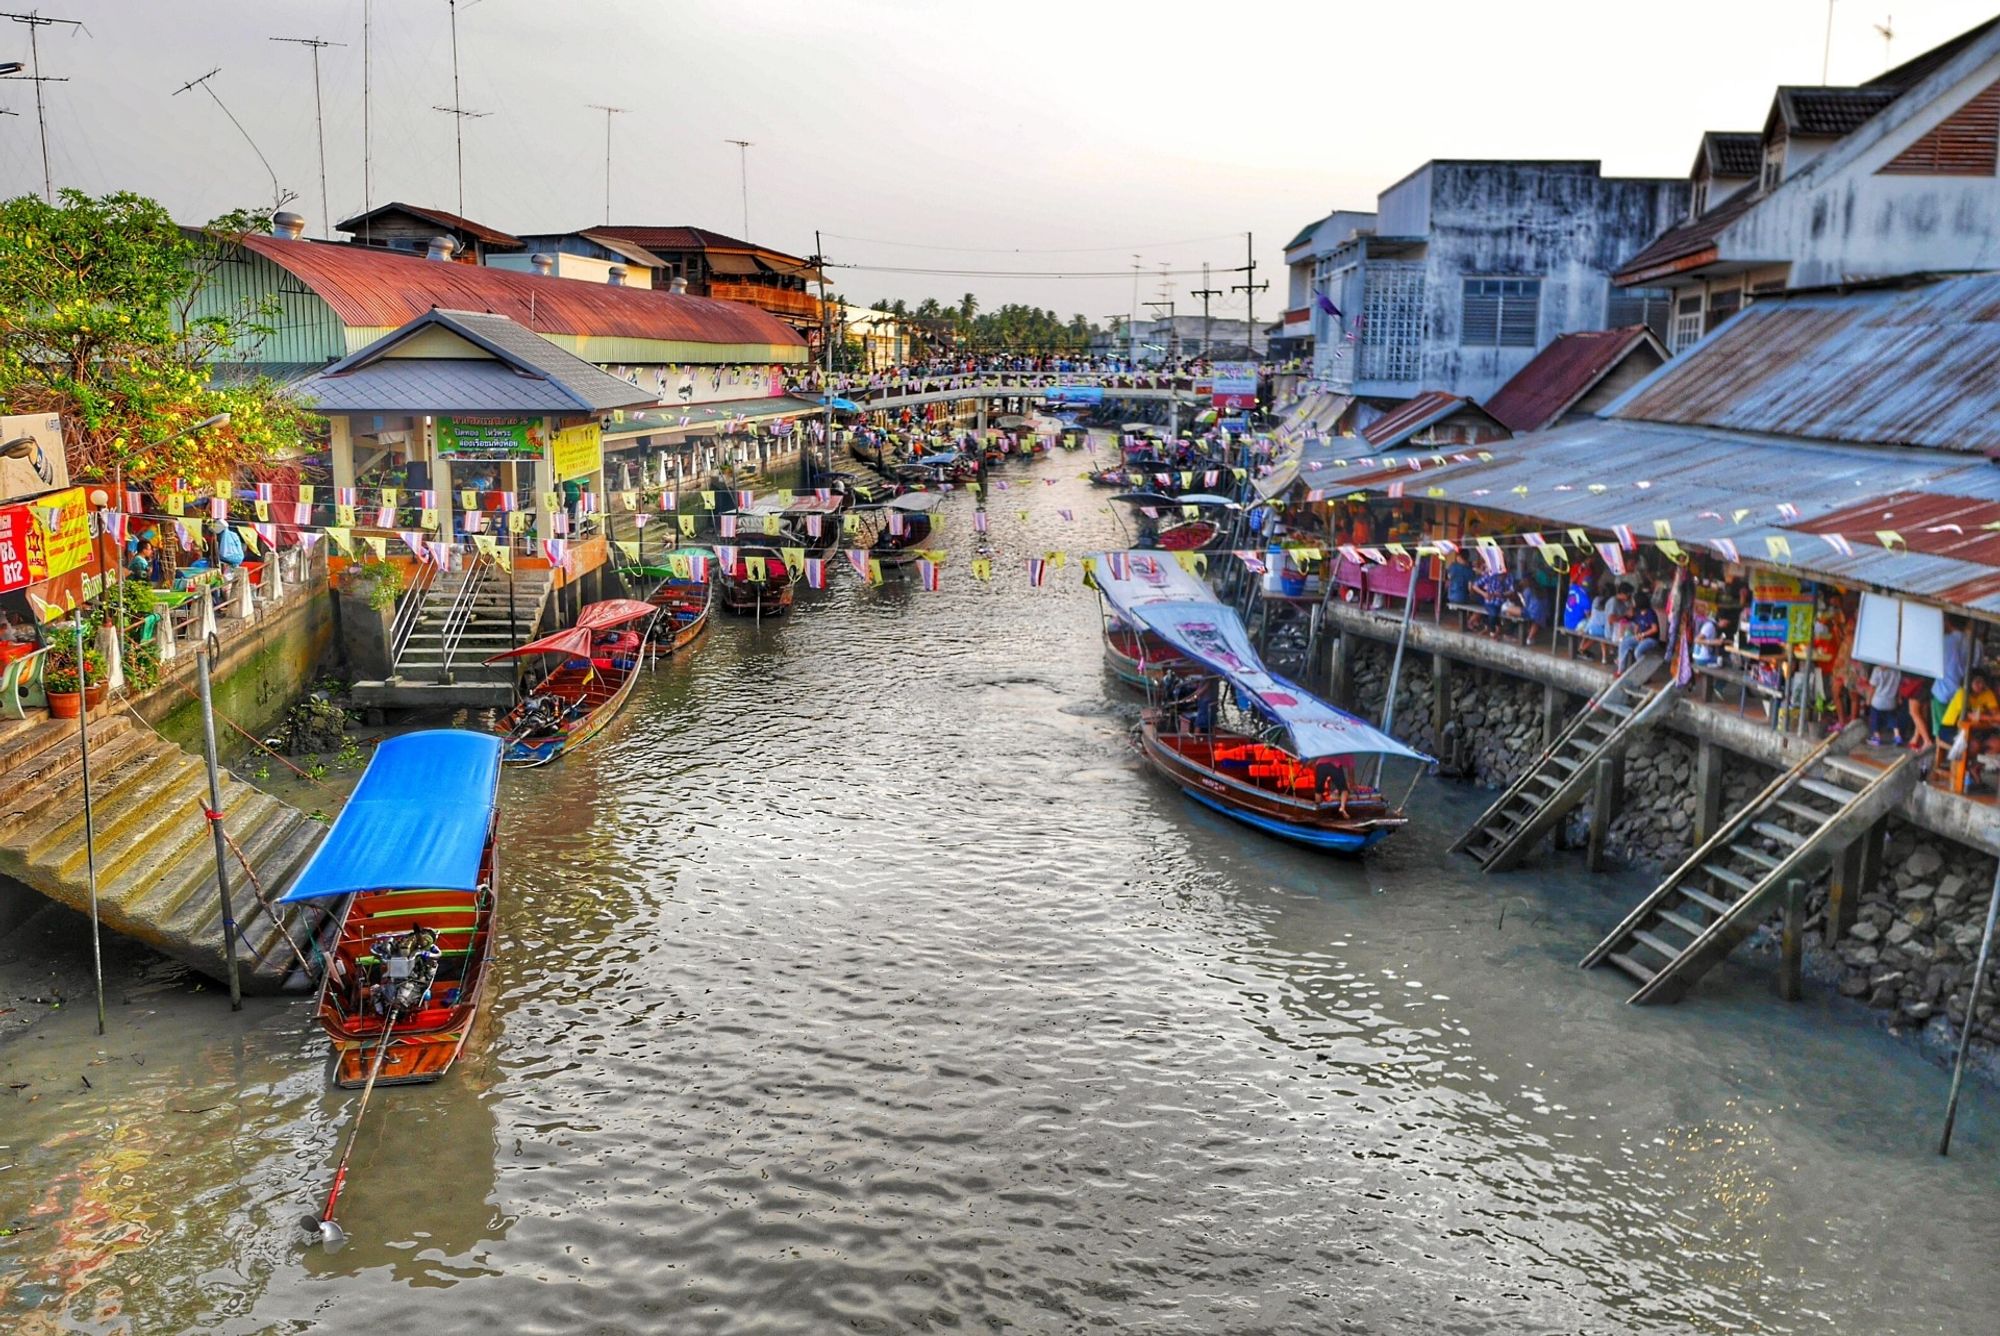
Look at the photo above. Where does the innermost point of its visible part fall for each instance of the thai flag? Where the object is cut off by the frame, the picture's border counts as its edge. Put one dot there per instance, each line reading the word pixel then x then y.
pixel 427 499
pixel 1038 572
pixel 726 525
pixel 1395 490
pixel 1626 540
pixel 744 500
pixel 824 495
pixel 668 501
pixel 1067 514
pixel 475 521
pixel 859 560
pixel 1325 304
pixel 1001 483
pixel 113 525
pixel 979 521
pixel 218 508
pixel 385 518
pixel 415 542
pixel 815 573
pixel 1119 565
pixel 1788 510
pixel 727 556
pixel 1614 557
pixel 1839 544
pixel 267 532
pixel 1251 562
pixel 1534 540
pixel 639 520
pixel 813 527
pixel 1208 479
pixel 263 491
pixel 1725 549
pixel 1445 546
pixel 508 501
pixel 345 496
pixel 302 513
pixel 896 524
pixel 697 567
pixel 560 520
pixel 135 502
pixel 1048 482
pixel 586 503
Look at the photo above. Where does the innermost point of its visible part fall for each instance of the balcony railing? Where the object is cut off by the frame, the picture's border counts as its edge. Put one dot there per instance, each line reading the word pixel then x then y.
pixel 778 301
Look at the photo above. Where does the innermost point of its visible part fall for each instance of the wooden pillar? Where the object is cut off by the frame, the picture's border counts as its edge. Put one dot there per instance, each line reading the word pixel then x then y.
pixel 1606 794
pixel 1707 790
pixel 1340 671
pixel 1554 701
pixel 1440 699
pixel 1791 943
pixel 1854 875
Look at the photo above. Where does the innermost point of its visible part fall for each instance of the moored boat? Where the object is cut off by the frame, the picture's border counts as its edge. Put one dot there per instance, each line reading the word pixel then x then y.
pixel 906 526
pixel 597 666
pixel 754 581
pixel 678 584
pixel 1138 658
pixel 413 853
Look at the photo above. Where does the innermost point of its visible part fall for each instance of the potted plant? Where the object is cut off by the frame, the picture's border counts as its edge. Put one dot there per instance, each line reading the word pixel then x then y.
pixel 69 691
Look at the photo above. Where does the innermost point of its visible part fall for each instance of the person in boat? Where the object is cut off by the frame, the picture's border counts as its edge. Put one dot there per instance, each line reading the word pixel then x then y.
pixel 1336 782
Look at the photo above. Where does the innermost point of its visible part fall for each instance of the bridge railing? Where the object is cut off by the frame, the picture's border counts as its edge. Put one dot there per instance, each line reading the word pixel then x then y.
pixel 1011 382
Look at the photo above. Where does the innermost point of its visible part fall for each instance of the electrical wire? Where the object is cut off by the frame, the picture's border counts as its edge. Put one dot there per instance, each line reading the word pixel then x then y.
pixel 1025 250
pixel 1024 273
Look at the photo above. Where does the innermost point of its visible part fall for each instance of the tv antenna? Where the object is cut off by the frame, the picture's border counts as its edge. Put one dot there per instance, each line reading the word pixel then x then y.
pixel 319 119
pixel 280 196
pixel 35 23
pixel 609 112
pixel 459 114
pixel 1887 27
pixel 743 147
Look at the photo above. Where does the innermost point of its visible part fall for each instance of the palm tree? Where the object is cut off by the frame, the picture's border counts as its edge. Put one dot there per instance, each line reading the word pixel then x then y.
pixel 968 307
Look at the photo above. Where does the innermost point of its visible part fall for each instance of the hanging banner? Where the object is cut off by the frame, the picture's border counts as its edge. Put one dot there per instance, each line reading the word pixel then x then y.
pixel 1234 385
pixel 577 452
pixel 489 437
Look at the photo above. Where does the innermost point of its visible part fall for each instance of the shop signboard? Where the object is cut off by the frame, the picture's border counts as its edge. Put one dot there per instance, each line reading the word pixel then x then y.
pixel 1234 385
pixel 489 437
pixel 44 547
pixel 1075 394
pixel 577 452
pixel 42 466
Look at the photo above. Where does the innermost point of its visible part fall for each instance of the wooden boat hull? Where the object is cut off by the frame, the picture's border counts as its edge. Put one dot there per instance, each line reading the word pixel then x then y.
pixel 750 598
pixel 602 700
pixel 423 1046
pixel 1185 760
pixel 1138 659
pixel 1190 536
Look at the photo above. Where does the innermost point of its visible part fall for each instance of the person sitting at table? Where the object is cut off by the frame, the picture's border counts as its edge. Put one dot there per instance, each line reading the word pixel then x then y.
pixel 1530 604
pixel 1984 772
pixel 1458 579
pixel 144 563
pixel 1974 699
pixel 1729 604
pixel 1642 636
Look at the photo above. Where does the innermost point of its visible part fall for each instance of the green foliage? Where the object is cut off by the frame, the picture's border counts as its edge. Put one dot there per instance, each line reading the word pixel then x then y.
pixel 1013 328
pixel 59 666
pixel 96 296
pixel 383 579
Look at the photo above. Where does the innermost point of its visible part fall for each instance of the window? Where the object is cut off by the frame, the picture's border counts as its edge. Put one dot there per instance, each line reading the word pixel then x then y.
pixel 1774 165
pixel 1687 323
pixel 1501 312
pixel 1638 306
pixel 1722 305
pixel 1392 321
pixel 1698 198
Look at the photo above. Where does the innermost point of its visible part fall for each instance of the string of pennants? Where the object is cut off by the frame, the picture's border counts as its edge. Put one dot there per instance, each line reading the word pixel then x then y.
pixel 793 562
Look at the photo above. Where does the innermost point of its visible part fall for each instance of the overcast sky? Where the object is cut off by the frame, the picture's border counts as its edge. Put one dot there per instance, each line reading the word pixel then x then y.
pixel 956 135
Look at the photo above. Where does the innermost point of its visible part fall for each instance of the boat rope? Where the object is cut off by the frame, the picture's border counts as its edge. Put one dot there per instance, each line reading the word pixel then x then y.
pixel 264 901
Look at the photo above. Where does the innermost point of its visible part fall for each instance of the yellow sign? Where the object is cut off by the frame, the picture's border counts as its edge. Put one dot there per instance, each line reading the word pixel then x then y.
pixel 68 544
pixel 577 452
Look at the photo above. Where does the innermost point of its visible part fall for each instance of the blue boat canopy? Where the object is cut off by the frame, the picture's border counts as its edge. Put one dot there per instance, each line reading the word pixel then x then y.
pixel 417 820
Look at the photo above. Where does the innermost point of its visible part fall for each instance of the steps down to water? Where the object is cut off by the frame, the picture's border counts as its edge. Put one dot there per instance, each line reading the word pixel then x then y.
pixel 1787 833
pixel 444 662
pixel 155 858
pixel 1561 777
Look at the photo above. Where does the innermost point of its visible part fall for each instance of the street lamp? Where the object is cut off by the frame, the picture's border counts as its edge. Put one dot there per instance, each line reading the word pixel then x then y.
pixel 8 67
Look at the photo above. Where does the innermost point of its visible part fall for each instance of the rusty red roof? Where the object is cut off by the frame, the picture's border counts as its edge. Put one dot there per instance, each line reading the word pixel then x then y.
pixel 451 222
pixel 1685 245
pixel 1413 415
pixel 379 289
pixel 659 239
pixel 1562 373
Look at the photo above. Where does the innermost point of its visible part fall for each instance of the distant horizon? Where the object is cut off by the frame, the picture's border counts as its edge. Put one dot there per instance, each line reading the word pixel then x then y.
pixel 958 149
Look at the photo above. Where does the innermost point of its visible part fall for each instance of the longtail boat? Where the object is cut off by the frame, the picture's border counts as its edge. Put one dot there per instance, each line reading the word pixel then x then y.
pixel 810 520
pixel 1239 739
pixel 413 853
pixel 1178 523
pixel 906 526
pixel 1135 655
pixel 678 584
pixel 1137 658
pixel 598 665
pixel 754 581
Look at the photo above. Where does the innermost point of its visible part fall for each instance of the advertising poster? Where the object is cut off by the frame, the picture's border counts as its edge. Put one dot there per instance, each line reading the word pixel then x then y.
pixel 577 452
pixel 493 438
pixel 1234 385
pixel 44 547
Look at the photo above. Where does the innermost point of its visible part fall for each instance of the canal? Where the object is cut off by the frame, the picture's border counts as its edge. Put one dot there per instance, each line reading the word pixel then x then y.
pixel 860 979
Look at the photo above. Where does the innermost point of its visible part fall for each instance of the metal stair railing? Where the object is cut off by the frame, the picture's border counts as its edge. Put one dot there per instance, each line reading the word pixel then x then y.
pixel 409 612
pixel 459 615
pixel 1714 844
pixel 1624 683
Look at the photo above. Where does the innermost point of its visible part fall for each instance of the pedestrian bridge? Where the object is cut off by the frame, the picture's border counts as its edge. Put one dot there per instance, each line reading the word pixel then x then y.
pixel 913 391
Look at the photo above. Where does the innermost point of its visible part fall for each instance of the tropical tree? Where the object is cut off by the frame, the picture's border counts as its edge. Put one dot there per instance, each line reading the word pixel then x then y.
pixel 97 323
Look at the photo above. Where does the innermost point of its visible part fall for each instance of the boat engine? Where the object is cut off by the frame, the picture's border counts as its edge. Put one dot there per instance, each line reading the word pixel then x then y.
pixel 409 965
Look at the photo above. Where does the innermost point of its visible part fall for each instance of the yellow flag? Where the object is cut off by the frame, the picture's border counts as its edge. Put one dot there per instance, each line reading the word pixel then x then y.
pixel 687 525
pixel 249 537
pixel 982 568
pixel 1736 516
pixel 341 539
pixel 707 500
pixel 1557 557
pixel 1580 538
pixel 343 516
pixel 263 509
pixel 1089 565
pixel 1674 551
pixel 1022 515
pixel 467 499
pixel 551 501
pixel 503 557
pixel 1056 560
pixel 795 559
pixel 389 497
pixel 429 519
pixel 517 521
pixel 1398 550
pixel 1779 548
pixel 1195 563
pixel 223 487
pixel 1192 512
pixel 772 525
pixel 754 568
pixel 1889 538
pixel 484 543
pixel 629 549
pixel 874 571
pixel 379 546
pixel 1662 529
pixel 1433 490
pixel 629 500
pixel 850 523
pixel 784 498
pixel 678 564
pixel 306 492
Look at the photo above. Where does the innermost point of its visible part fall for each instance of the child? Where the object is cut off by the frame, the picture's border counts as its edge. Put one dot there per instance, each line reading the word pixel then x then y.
pixel 1884 687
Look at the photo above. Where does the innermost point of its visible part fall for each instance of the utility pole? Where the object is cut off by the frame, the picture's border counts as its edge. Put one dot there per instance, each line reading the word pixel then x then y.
pixel 1249 287
pixel 1173 347
pixel 279 195
pixel 458 112
pixel 319 120
pixel 367 144
pixel 609 112
pixel 1132 325
pixel 743 174
pixel 35 23
pixel 826 362
pixel 1205 292
pixel 1826 54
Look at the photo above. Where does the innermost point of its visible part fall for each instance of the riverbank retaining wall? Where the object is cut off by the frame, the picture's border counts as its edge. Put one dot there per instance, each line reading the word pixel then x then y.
pixel 1911 950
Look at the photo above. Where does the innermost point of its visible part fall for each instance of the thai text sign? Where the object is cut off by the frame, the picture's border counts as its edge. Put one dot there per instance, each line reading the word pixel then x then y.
pixel 1234 385
pixel 489 437
pixel 577 452
pixel 32 551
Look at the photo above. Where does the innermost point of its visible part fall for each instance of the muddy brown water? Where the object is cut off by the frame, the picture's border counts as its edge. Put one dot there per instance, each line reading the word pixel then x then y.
pixel 860 979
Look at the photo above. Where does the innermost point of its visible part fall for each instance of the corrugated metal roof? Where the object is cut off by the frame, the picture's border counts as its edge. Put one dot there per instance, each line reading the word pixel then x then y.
pixel 525 373
pixel 1912 366
pixel 451 222
pixel 1698 480
pixel 375 289
pixel 1413 415
pixel 1563 373
pixel 629 250
pixel 663 239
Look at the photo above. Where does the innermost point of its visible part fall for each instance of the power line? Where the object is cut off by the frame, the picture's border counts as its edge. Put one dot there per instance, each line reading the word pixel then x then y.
pixel 1025 250
pixel 1019 273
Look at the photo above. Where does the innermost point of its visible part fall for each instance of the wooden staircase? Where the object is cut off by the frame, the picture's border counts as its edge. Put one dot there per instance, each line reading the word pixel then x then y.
pixel 1718 896
pixel 154 854
pixel 457 630
pixel 1561 776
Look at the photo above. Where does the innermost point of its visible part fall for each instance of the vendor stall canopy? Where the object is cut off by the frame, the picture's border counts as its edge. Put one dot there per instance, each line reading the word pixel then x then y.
pixel 418 819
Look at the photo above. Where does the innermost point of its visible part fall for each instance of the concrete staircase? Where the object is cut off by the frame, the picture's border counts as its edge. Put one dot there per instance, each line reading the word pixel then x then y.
pixel 155 858
pixel 431 671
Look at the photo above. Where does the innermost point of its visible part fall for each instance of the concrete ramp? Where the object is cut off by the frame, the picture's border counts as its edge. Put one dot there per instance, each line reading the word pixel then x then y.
pixel 155 859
